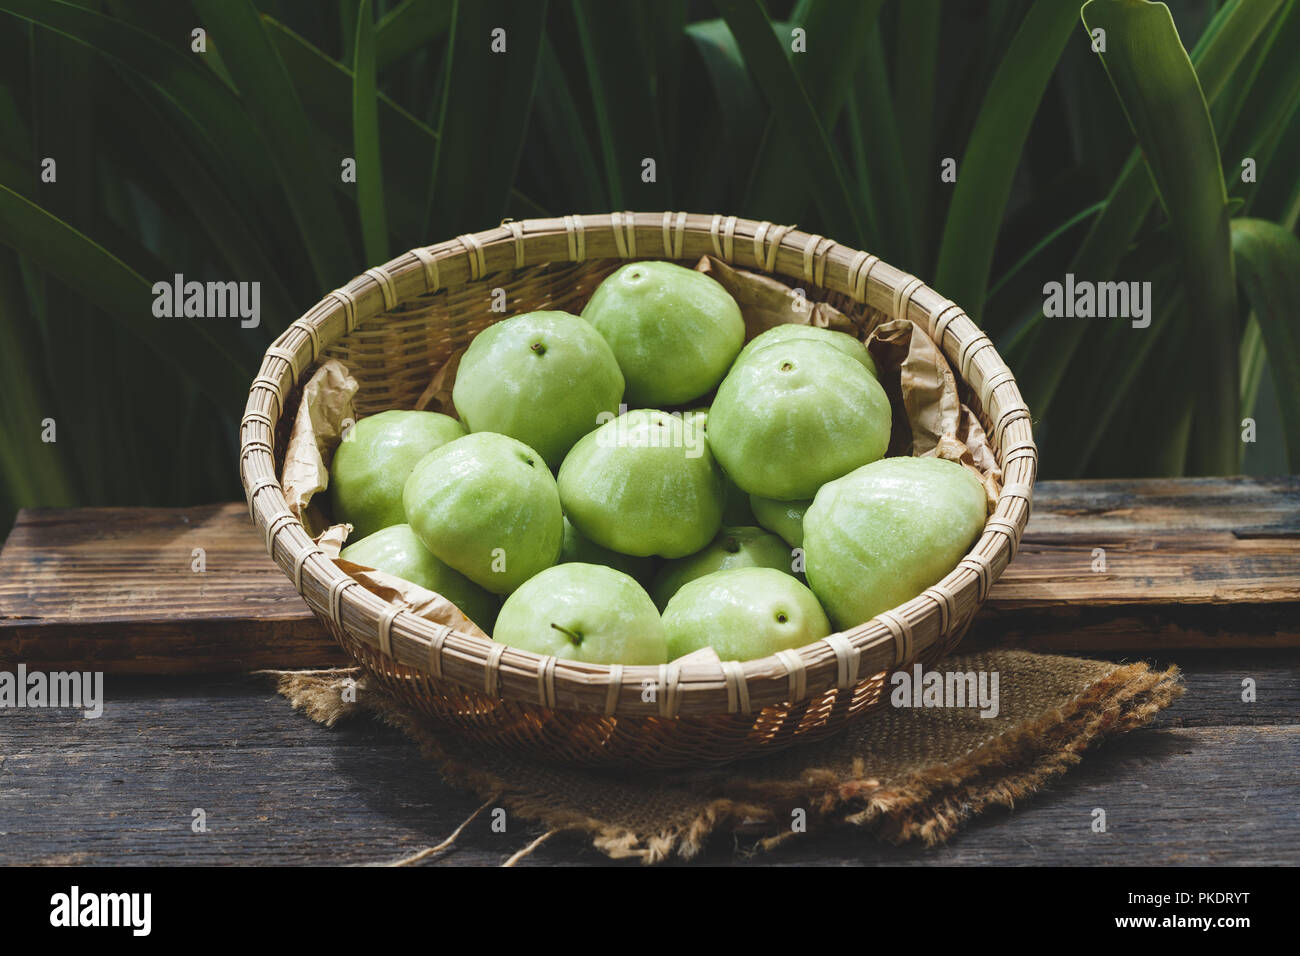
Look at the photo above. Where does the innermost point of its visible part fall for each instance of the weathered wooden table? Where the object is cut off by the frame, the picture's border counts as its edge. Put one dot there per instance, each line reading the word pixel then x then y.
pixel 175 606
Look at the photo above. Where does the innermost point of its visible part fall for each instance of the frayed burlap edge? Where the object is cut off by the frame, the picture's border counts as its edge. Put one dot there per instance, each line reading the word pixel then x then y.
pixel 930 805
pixel 933 804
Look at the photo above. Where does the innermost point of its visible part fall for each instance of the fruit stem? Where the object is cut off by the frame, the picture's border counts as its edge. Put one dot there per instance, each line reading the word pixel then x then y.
pixel 573 636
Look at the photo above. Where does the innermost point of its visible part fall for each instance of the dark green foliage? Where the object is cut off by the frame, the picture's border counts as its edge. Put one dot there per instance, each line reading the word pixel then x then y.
pixel 226 165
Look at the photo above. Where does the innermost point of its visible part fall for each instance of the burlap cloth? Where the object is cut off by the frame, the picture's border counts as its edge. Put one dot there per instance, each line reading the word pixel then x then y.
pixel 903 773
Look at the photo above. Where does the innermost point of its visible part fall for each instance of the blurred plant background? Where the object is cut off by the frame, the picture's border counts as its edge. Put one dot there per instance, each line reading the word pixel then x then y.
pixel 225 165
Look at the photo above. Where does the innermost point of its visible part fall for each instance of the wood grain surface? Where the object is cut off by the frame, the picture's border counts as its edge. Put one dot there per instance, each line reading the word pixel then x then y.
pixel 1212 781
pixel 1196 563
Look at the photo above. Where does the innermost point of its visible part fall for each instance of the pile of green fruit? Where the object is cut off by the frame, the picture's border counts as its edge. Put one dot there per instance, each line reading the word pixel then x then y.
pixel 562 523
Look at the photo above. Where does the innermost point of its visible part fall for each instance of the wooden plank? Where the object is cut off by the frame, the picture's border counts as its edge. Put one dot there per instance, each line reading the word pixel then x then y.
pixel 1154 563
pixel 115 589
pixel 278 789
pixel 1199 563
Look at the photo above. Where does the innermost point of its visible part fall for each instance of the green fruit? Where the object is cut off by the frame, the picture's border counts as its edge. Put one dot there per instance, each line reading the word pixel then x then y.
pixel 735 509
pixel 545 378
pixel 742 614
pixel 487 505
pixel 781 517
pixel 673 330
pixel 796 415
pixel 645 483
pixel 732 548
pixel 583 612
pixel 846 343
pixel 578 549
pixel 884 533
pixel 396 550
pixel 370 468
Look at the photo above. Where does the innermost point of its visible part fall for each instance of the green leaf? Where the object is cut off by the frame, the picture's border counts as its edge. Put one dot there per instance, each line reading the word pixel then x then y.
pixel 1055 233
pixel 988 165
pixel 1267 110
pixel 1051 346
pixel 186 188
pixel 841 34
pixel 488 100
pixel 409 26
pixel 621 73
pixel 210 108
pixel 563 125
pixel 916 74
pixel 1253 358
pixel 1268 259
pixel 303 168
pixel 34 472
pixel 104 280
pixel 1161 95
pixel 776 78
pixel 365 141
pixel 325 88
pixel 878 160
pixel 742 110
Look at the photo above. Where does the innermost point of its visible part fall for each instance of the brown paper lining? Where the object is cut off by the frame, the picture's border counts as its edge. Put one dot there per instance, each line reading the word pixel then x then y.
pixel 325 412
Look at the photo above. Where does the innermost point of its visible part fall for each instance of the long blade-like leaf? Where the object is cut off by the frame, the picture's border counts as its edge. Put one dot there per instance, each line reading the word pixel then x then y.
pixel 740 109
pixel 209 105
pixel 1162 98
pixel 1268 260
pixel 409 26
pixel 104 280
pixel 38 473
pixel 365 141
pixel 489 97
pixel 988 165
pixel 563 125
pixel 302 167
pixel 841 31
pixel 1268 110
pixel 779 83
pixel 1052 346
pixel 878 161
pixel 916 71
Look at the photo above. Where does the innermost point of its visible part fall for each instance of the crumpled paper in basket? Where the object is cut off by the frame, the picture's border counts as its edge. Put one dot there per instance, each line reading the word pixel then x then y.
pixel 323 417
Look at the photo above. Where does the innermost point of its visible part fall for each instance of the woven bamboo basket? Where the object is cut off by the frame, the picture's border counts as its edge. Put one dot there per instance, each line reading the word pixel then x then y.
pixel 394 324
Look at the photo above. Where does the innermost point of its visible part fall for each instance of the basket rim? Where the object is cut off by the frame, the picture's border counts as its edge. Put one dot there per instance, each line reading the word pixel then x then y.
pixel 894 638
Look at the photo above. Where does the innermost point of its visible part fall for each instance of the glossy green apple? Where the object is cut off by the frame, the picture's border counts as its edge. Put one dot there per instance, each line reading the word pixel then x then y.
pixel 674 330
pixel 583 612
pixel 487 505
pixel 732 548
pixel 544 378
pixel 846 343
pixel 644 483
pixel 781 517
pixel 371 466
pixel 396 550
pixel 884 533
pixel 743 613
pixel 577 548
pixel 796 415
